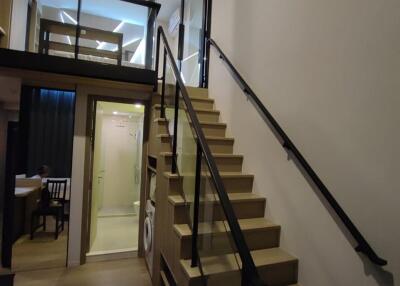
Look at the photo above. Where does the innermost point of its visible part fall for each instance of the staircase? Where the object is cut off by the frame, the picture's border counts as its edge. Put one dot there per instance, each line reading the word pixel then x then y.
pixel 220 265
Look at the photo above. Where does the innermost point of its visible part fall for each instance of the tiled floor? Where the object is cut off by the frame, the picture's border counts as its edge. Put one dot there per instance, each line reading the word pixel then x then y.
pixel 116 233
pixel 126 272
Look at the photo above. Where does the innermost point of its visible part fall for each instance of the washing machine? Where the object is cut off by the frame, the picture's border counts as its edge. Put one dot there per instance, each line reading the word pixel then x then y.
pixel 149 234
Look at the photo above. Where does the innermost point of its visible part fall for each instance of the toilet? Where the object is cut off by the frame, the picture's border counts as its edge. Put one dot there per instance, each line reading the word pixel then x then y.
pixel 136 207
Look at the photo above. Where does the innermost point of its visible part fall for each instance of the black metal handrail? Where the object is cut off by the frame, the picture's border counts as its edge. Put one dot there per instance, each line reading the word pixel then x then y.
pixel 249 272
pixel 362 245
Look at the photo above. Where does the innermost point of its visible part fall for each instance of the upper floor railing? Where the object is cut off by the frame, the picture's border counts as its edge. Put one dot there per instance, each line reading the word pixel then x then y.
pixel 114 32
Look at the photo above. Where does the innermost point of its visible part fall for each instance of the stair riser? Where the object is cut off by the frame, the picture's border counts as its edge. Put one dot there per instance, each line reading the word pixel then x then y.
pixel 209 105
pixel 165 144
pixel 208 212
pixel 222 243
pixel 232 185
pixel 223 164
pixel 229 164
pixel 216 146
pixel 209 130
pixel 197 92
pixel 193 92
pixel 279 274
pixel 207 117
pixel 272 275
pixel 201 115
pixel 223 147
pixel 197 103
pixel 217 131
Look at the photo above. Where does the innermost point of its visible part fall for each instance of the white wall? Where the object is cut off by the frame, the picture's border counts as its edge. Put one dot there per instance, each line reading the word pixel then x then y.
pixel 329 71
pixel 77 179
pixel 18 24
pixel 119 160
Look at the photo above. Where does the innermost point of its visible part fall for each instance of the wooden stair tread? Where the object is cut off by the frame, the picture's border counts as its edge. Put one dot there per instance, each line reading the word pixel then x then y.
pixel 251 224
pixel 233 197
pixel 227 263
pixel 223 175
pixel 192 97
pixel 215 155
pixel 205 123
pixel 188 88
pixel 209 138
pixel 201 110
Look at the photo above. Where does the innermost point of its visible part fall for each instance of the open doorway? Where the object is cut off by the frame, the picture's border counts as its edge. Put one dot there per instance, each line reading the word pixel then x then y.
pixel 116 178
pixel 41 195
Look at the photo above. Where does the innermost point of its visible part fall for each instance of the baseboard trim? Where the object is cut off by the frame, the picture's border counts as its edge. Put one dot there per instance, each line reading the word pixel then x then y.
pixel 99 256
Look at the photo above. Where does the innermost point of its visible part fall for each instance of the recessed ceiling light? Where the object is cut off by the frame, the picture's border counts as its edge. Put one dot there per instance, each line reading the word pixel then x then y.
pixel 119 27
pixel 70 17
pixel 130 42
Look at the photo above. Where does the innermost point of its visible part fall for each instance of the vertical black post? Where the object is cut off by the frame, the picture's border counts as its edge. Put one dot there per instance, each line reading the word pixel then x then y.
pixel 245 281
pixel 47 42
pixel 78 28
pixel 157 60
pixel 151 25
pixel 175 136
pixel 41 39
pixel 119 60
pixel 195 228
pixel 181 39
pixel 9 194
pixel 162 115
pixel 207 35
pixel 202 41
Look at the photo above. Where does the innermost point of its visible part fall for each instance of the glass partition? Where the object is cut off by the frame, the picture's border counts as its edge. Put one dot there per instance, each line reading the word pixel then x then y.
pixel 215 244
pixel 114 32
pixel 214 248
pixel 193 42
pixel 185 160
pixel 56 28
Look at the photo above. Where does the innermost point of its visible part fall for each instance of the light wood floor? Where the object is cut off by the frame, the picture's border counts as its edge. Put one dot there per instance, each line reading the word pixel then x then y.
pixel 126 272
pixel 42 252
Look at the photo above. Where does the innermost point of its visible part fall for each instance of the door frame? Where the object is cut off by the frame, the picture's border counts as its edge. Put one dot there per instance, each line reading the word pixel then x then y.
pixel 8 209
pixel 89 158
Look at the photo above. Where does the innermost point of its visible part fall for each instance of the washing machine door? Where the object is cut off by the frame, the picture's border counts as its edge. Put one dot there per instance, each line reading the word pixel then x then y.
pixel 148 235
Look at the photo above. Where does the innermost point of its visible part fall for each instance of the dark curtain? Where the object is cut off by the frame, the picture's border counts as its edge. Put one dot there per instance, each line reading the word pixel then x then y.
pixel 47 119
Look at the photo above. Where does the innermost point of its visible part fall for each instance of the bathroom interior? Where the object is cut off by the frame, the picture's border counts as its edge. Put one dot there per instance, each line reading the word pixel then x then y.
pixel 116 178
